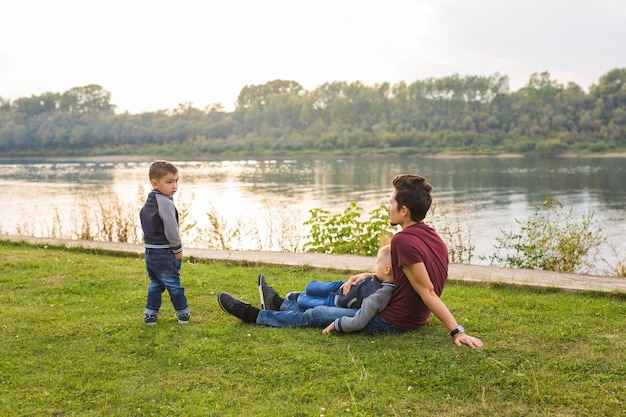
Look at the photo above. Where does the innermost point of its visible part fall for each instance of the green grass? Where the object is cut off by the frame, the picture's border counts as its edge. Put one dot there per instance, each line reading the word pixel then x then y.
pixel 72 343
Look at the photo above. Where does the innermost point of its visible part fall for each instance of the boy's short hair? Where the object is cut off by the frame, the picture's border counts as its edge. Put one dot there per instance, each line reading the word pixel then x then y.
pixel 160 168
pixel 385 252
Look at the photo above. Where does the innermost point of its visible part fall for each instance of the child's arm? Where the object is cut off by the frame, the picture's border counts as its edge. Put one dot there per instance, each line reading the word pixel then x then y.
pixel 167 211
pixel 329 329
pixel 371 306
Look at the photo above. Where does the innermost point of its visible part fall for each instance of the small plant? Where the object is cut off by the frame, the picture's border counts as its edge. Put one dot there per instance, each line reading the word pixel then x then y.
pixel 619 270
pixel 104 217
pixel 84 222
pixel 219 234
pixel 455 229
pixel 118 221
pixel 186 224
pixel 550 240
pixel 615 269
pixel 278 230
pixel 346 233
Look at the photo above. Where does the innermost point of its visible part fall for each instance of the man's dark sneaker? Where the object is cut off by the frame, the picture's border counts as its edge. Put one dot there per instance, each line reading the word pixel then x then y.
pixel 149 319
pixel 183 318
pixel 267 295
pixel 239 309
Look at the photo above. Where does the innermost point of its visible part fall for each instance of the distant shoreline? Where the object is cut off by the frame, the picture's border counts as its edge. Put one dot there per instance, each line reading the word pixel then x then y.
pixel 149 158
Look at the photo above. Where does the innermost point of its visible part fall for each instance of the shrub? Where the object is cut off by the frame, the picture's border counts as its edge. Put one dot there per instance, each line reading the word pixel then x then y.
pixel 346 233
pixel 103 216
pixel 218 234
pixel 551 240
pixel 453 223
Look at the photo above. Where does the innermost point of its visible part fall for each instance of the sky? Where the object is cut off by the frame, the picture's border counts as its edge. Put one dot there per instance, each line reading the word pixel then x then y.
pixel 157 54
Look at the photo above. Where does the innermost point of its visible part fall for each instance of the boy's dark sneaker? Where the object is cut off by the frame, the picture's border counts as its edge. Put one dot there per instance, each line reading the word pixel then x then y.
pixel 270 300
pixel 239 309
pixel 183 318
pixel 149 319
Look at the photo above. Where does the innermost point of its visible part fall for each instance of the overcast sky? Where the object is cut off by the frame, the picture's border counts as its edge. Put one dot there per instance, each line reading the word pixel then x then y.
pixel 157 54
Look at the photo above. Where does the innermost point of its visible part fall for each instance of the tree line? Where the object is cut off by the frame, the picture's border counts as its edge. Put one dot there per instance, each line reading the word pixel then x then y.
pixel 452 114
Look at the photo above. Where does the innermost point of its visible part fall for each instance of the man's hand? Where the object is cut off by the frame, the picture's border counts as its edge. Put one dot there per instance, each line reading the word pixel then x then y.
pixel 329 329
pixel 353 280
pixel 462 338
pixel 178 255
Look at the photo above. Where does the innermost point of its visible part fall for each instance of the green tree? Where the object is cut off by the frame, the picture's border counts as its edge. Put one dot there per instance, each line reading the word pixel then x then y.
pixel 611 88
pixel 44 103
pixel 259 93
pixel 87 99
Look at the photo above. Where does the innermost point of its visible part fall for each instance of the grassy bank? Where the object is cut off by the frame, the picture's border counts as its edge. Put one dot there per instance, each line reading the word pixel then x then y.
pixel 72 343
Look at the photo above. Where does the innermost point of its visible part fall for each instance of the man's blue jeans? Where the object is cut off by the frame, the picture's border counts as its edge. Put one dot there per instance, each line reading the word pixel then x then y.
pixel 291 316
pixel 164 273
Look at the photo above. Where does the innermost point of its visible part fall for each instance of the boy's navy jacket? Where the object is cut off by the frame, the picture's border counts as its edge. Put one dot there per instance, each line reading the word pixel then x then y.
pixel 159 221
pixel 357 293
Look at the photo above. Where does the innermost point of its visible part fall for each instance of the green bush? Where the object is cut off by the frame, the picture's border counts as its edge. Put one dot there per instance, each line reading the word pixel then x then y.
pixel 551 239
pixel 346 233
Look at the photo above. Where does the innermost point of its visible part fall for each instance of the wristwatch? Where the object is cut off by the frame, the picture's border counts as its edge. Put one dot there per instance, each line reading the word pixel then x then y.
pixel 458 329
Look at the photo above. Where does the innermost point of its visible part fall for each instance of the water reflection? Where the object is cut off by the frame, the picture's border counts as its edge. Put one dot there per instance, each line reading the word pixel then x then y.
pixel 498 190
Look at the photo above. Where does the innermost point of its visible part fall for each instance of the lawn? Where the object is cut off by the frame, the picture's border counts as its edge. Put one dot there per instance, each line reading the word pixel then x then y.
pixel 72 343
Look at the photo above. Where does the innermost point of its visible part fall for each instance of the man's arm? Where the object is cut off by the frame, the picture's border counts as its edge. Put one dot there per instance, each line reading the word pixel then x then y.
pixel 420 281
pixel 353 280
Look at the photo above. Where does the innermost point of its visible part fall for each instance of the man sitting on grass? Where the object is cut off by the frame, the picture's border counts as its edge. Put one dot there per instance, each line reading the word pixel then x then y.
pixel 420 267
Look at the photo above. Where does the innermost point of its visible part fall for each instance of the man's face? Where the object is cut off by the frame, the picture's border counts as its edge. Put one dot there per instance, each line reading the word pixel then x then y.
pixel 394 216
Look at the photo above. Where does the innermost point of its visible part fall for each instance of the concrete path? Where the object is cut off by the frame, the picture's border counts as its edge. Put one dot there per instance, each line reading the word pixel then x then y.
pixel 353 263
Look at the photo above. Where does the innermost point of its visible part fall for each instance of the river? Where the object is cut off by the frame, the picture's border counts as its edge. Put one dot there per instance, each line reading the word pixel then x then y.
pixel 273 197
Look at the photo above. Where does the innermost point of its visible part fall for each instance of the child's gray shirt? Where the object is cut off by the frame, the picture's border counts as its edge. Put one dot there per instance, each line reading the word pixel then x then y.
pixel 371 306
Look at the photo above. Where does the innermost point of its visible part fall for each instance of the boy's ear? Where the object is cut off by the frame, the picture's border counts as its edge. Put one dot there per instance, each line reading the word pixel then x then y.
pixel 153 183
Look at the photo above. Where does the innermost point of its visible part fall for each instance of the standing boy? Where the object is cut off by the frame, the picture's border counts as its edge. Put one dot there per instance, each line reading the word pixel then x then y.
pixel 163 247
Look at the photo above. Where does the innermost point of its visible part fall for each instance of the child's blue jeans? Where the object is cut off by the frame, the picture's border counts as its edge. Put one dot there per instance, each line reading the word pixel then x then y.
pixel 164 273
pixel 319 293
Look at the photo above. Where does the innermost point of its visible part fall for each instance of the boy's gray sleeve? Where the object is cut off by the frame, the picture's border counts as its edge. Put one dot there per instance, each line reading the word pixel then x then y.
pixel 371 306
pixel 167 211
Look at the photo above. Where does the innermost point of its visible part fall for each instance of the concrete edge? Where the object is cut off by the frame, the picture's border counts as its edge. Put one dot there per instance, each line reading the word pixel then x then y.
pixel 354 263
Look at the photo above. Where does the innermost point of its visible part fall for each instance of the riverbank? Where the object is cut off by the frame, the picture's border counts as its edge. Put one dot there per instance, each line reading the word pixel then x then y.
pixel 353 264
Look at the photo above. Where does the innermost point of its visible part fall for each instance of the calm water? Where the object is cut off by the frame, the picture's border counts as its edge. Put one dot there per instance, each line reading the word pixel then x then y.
pixel 492 192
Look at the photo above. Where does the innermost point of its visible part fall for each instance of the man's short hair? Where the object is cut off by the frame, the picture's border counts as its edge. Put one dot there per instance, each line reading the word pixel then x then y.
pixel 413 192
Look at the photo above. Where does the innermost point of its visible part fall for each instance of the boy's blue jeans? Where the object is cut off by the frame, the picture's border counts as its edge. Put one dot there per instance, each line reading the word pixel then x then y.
pixel 164 273
pixel 290 315
pixel 319 293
